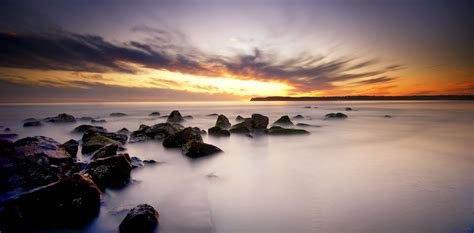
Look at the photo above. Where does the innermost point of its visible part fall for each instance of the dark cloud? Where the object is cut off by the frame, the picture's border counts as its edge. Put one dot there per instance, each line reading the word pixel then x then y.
pixel 383 79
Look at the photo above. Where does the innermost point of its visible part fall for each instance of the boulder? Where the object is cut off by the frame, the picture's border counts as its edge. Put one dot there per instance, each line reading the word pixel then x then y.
pixel 277 130
pixel 112 171
pixel 94 121
pixel 223 122
pixel 156 132
pixel 298 117
pixel 244 127
pixel 196 149
pixel 141 219
pixel 88 128
pixel 61 118
pixel 154 114
pixel 182 137
pixel 307 106
pixel 149 161
pixel 259 122
pixel 175 116
pixel 336 116
pixel 71 146
pixel 348 109
pixel 42 150
pixel 71 202
pixel 31 122
pixel 284 120
pixel 114 136
pixel 218 131
pixel 95 142
pixel 117 114
pixel 239 118
pixel 106 151
pixel 123 131
pixel 136 162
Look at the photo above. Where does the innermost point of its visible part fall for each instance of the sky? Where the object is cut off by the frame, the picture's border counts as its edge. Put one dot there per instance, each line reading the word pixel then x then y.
pixel 92 51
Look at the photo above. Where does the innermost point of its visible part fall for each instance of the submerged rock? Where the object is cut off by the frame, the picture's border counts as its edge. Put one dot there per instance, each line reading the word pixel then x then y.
pixel 31 122
pixel 7 130
pixel 307 107
pixel 223 122
pixel 212 115
pixel 71 146
pixel 95 142
pixel 218 131
pixel 348 109
pixel 141 219
pixel 117 114
pixel 154 114
pixel 182 137
pixel 284 120
pixel 71 202
pixel 88 128
pixel 239 118
pixel 175 116
pixel 338 115
pixel 298 117
pixel 196 149
pixel 306 125
pixel 93 121
pixel 112 171
pixel 387 116
pixel 61 118
pixel 136 162
pixel 86 118
pixel 277 130
pixel 188 117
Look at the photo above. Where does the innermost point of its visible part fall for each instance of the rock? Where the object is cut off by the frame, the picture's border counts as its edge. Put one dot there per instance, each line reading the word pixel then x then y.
pixel 196 149
pixel 86 119
pixel 71 202
pixel 212 115
pixel 242 127
pixel 175 116
pixel 218 131
pixel 117 114
pixel 112 171
pixel 182 137
pixel 123 131
pixel 136 162
pixel 114 136
pixel 387 116
pixel 106 151
pixel 223 122
pixel 96 141
pixel 277 130
pixel 42 150
pixel 239 118
pixel 188 117
pixel 284 120
pixel 141 219
pixel 203 132
pixel 298 117
pixel 7 130
pixel 61 118
pixel 348 109
pixel 154 114
pixel 307 107
pixel 71 147
pixel 306 125
pixel 143 127
pixel 8 136
pixel 149 161
pixel 156 132
pixel 336 116
pixel 88 128
pixel 93 121
pixel 31 122
pixel 259 122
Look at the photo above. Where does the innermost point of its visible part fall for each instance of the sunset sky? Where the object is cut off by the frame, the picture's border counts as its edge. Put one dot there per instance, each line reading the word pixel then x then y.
pixel 80 51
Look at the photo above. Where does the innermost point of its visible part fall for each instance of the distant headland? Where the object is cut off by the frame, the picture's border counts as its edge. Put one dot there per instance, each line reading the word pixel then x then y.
pixel 365 97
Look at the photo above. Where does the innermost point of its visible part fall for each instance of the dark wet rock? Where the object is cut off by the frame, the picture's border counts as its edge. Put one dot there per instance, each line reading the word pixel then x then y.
pixel 149 161
pixel 96 141
pixel 143 127
pixel 94 121
pixel 203 132
pixel 112 171
pixel 7 129
pixel 306 125
pixel 298 117
pixel 196 149
pixel 348 109
pixel 136 162
pixel 307 107
pixel 61 118
pixel 242 127
pixel 154 114
pixel 284 120
pixel 156 132
pixel 218 131
pixel 338 115
pixel 41 150
pixel 8 136
pixel 117 114
pixel 141 219
pixel 71 146
pixel 387 116
pixel 175 116
pixel 182 137
pixel 259 122
pixel 123 131
pixel 188 117
pixel 71 202
pixel 239 118
pixel 114 136
pixel 106 151
pixel 85 118
pixel 212 115
pixel 88 128
pixel 277 130
pixel 32 123
pixel 223 122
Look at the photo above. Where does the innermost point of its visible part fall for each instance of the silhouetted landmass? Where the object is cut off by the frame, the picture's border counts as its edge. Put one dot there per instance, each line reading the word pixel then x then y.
pixel 364 97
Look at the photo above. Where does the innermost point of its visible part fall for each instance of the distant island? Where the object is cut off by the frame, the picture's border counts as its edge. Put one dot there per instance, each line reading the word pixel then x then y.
pixel 365 97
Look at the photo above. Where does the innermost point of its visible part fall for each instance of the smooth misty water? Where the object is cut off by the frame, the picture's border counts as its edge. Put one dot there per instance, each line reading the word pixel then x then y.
pixel 409 173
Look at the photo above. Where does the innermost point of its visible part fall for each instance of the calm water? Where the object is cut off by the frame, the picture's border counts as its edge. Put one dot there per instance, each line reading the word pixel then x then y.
pixel 409 173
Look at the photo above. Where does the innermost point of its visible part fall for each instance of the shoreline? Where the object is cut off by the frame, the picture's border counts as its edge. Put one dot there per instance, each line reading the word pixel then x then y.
pixel 365 98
